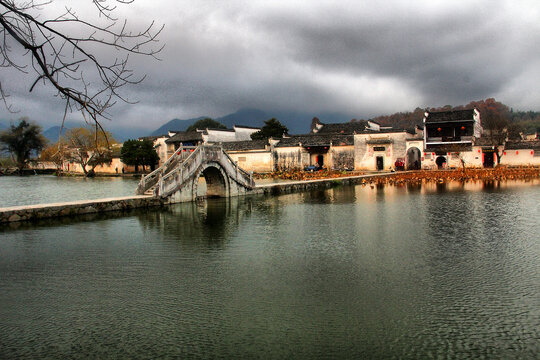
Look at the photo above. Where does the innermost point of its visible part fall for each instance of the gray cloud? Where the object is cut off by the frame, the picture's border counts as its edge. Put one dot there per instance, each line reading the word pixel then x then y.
pixel 359 58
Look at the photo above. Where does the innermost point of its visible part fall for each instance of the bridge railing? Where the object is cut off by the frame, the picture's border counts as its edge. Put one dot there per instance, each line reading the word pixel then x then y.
pixel 152 179
pixel 170 177
pixel 170 182
pixel 248 176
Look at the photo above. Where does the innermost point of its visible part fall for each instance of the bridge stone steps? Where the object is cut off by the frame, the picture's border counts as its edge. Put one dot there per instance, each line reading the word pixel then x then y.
pixel 177 178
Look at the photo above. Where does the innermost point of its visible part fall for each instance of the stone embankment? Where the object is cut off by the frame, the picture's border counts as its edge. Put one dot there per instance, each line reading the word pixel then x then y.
pixel 43 211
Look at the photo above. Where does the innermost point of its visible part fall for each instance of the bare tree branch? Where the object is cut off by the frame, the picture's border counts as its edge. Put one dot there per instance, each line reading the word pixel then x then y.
pixel 87 80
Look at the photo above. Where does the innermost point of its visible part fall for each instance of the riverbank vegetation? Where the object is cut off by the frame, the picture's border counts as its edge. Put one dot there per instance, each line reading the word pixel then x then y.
pixel 500 173
pixel 443 176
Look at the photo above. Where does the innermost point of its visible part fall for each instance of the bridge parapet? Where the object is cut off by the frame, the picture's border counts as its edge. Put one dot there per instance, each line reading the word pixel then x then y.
pixel 181 173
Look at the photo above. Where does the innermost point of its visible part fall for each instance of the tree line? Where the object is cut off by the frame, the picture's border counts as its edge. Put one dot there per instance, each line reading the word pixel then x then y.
pixel 494 114
pixel 88 147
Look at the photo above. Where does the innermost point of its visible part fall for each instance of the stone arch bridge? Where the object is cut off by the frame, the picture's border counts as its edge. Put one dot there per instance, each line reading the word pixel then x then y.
pixel 177 179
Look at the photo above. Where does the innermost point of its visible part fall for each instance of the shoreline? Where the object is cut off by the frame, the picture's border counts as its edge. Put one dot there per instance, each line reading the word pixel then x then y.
pixel 417 177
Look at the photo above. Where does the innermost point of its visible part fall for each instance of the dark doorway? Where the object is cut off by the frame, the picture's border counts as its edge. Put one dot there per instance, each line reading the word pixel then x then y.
pixel 414 159
pixel 440 161
pixel 489 159
pixel 320 160
pixel 380 163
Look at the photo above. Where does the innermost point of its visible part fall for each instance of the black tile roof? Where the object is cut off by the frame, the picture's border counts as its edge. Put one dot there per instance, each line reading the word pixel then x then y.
pixel 379 141
pixel 517 145
pixel 192 136
pixel 217 129
pixel 316 140
pixel 247 127
pixel 485 141
pixel 448 147
pixel 245 145
pixel 343 128
pixel 450 116
pixel 385 131
pixel 151 138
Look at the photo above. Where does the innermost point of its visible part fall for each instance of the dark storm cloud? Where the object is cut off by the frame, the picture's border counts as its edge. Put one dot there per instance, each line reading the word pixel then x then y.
pixel 360 58
pixel 452 57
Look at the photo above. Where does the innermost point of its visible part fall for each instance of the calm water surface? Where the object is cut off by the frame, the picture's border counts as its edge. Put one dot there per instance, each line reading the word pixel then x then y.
pixel 40 189
pixel 352 272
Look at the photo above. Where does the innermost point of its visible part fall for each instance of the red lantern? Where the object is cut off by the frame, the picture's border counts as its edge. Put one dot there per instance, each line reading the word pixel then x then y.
pixel 439 129
pixel 478 150
pixel 463 128
pixel 517 152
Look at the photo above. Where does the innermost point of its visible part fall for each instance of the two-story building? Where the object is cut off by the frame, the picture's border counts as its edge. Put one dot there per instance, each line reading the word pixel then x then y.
pixel 449 138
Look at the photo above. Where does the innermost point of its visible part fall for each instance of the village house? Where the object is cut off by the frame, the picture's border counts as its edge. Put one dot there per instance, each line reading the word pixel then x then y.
pixel 115 166
pixel 349 128
pixel 381 150
pixel 251 155
pixel 168 144
pixel 360 145
pixel 449 138
pixel 521 153
pixel 331 151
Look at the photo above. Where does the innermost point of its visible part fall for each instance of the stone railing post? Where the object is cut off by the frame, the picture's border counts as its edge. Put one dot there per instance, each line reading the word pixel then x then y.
pixel 160 183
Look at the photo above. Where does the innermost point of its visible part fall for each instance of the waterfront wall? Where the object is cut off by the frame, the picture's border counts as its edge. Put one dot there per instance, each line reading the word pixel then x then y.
pixel 44 211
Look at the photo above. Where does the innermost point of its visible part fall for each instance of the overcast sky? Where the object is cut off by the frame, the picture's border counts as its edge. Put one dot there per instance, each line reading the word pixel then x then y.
pixel 363 58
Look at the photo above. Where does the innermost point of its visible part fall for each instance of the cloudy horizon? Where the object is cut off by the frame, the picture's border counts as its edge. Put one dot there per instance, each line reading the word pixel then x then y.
pixel 358 58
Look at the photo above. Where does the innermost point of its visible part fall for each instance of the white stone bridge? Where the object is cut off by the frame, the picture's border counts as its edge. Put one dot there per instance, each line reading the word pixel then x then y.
pixel 177 179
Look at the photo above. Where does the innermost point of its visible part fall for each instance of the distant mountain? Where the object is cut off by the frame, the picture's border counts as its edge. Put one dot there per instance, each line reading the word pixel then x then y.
pixel 297 122
pixel 119 135
pixel 175 125
pixel 246 117
pixel 53 132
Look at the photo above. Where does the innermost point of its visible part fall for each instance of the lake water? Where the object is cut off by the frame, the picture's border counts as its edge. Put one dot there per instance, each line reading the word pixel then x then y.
pixel 29 190
pixel 439 271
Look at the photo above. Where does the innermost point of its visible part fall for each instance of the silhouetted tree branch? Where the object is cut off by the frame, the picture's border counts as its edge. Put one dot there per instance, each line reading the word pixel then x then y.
pixel 85 61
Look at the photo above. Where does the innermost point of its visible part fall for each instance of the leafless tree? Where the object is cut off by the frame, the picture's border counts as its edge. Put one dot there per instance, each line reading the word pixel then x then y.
pixel 66 51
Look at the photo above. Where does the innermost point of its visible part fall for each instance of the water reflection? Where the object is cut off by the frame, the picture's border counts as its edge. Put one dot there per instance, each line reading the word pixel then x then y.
pixel 348 272
pixel 209 223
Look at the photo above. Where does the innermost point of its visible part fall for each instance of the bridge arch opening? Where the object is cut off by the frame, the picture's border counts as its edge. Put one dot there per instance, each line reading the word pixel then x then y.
pixel 211 183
